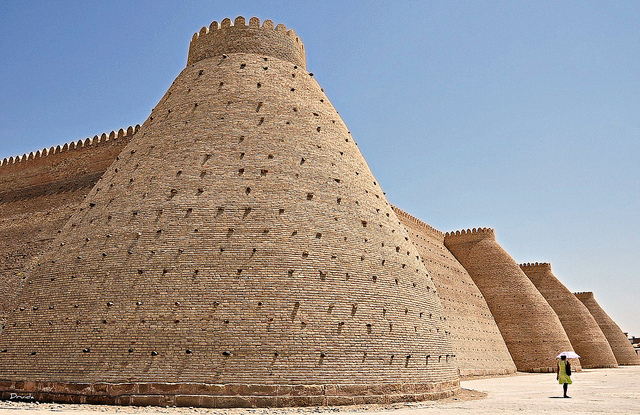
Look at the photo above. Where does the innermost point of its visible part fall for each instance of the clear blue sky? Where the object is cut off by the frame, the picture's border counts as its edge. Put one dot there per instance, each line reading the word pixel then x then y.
pixel 520 116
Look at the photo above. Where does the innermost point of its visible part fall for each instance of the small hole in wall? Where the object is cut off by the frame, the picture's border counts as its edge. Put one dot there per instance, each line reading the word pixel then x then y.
pixel 243 65
pixel 263 172
pixel 240 172
pixel 281 211
pixel 248 190
pixel 309 196
pixel 318 235
pixel 259 84
pixel 270 156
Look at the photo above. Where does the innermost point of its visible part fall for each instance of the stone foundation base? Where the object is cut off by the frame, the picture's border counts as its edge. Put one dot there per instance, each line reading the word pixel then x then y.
pixel 223 396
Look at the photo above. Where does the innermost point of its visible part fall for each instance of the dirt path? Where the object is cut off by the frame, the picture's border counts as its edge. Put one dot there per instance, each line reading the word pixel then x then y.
pixel 600 391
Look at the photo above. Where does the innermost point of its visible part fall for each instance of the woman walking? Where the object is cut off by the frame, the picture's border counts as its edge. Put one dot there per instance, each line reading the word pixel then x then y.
pixel 564 374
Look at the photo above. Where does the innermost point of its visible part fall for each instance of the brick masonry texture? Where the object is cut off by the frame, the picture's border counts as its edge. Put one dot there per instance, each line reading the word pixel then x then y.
pixel 582 329
pixel 530 328
pixel 38 193
pixel 477 343
pixel 238 248
pixel 622 349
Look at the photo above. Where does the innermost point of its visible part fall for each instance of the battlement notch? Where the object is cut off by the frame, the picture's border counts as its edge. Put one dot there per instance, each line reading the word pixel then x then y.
pixel 226 37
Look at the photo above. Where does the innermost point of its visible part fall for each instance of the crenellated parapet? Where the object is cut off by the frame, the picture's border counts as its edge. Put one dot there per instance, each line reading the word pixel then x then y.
pixel 61 168
pixel 18 162
pixel 469 235
pixel 229 37
pixel 405 217
pixel 539 265
pixel 584 294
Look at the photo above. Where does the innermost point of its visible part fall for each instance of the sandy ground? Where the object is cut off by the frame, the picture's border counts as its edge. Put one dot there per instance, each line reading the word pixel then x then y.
pixel 595 391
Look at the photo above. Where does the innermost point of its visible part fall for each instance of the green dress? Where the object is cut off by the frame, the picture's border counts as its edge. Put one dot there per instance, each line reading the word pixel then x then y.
pixel 562 376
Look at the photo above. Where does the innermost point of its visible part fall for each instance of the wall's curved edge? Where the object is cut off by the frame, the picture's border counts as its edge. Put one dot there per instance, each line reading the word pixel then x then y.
pixel 227 396
pixel 476 339
pixel 425 227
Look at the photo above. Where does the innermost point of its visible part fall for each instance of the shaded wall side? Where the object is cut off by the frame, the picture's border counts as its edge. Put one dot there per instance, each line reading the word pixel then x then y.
pixel 531 329
pixel 478 345
pixel 37 196
pixel 620 345
pixel 582 329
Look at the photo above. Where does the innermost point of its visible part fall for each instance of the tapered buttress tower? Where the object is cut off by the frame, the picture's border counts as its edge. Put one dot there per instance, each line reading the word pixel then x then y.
pixel 620 345
pixel 238 252
pixel 530 328
pixel 582 329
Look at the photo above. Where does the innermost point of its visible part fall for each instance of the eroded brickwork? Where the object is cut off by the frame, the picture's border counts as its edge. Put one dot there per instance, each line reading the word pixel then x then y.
pixel 531 329
pixel 38 193
pixel 238 250
pixel 622 348
pixel 479 347
pixel 581 328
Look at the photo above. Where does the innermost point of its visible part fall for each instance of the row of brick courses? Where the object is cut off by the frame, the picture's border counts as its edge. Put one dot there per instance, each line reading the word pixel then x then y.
pixel 530 328
pixel 620 345
pixel 239 238
pixel 477 343
pixel 225 396
pixel 38 193
pixel 581 328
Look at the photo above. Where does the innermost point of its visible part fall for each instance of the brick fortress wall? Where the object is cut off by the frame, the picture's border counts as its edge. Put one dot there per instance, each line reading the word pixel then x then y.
pixel 38 193
pixel 477 343
pixel 239 252
pixel 531 329
pixel 622 348
pixel 581 328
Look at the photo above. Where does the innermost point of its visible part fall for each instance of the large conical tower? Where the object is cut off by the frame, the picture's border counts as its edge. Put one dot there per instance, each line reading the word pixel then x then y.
pixel 581 328
pixel 238 252
pixel 530 328
pixel 622 348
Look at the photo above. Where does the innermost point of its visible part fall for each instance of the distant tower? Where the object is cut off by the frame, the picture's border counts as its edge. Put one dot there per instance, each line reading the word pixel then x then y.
pixel 477 343
pixel 622 348
pixel 529 326
pixel 581 328
pixel 238 252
